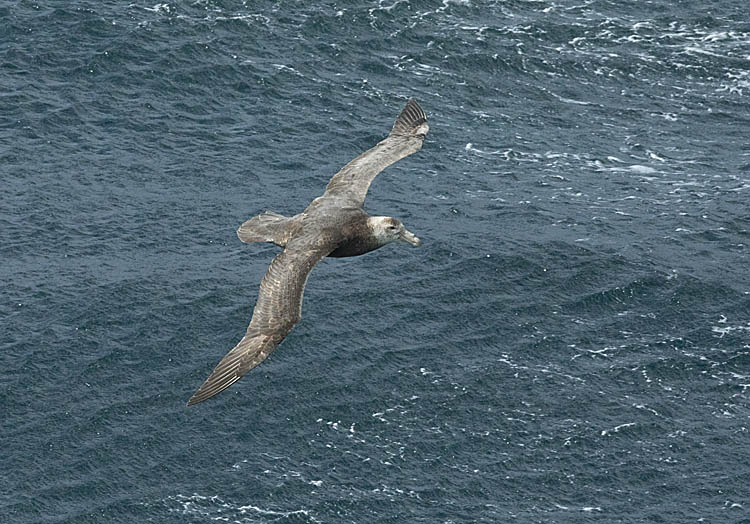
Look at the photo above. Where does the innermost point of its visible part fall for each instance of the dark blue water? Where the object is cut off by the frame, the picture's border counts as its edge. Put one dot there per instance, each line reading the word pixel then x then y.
pixel 570 344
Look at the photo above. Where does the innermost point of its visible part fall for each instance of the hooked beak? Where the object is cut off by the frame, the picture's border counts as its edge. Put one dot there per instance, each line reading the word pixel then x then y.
pixel 408 236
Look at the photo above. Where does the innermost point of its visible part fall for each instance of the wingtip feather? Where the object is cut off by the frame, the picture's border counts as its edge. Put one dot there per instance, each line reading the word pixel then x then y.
pixel 412 121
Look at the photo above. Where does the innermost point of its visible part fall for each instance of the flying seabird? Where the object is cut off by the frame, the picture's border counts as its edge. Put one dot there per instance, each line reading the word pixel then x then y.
pixel 333 225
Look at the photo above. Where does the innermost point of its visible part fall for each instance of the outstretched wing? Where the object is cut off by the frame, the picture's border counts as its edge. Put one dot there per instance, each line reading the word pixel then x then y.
pixel 406 138
pixel 278 309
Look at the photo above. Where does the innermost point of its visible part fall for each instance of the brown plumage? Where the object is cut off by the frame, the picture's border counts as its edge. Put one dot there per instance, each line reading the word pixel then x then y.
pixel 334 225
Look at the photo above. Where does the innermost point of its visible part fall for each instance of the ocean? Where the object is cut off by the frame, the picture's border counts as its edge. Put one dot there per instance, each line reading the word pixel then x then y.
pixel 570 344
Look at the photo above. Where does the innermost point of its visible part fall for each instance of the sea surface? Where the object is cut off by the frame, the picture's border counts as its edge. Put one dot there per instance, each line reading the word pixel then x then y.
pixel 571 344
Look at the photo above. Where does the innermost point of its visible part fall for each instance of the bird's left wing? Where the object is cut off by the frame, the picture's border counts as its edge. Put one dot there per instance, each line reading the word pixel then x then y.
pixel 407 137
pixel 278 309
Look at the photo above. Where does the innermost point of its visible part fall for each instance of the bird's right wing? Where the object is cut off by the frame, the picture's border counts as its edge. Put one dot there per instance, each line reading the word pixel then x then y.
pixel 278 309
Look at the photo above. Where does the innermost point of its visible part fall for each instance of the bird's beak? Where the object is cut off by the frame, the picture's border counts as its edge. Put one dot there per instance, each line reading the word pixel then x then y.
pixel 408 236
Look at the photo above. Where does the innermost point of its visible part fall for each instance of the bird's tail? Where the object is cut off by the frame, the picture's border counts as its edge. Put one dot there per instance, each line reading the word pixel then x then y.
pixel 267 227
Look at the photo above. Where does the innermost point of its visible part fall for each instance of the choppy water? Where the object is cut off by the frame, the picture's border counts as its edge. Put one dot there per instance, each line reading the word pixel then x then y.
pixel 570 344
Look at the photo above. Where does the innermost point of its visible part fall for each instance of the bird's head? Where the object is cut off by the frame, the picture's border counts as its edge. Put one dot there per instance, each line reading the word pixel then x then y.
pixel 389 229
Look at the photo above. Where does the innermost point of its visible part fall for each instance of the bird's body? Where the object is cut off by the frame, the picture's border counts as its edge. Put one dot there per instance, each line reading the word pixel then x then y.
pixel 333 225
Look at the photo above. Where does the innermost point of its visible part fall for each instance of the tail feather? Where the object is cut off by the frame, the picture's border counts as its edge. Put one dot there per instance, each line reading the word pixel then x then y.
pixel 268 227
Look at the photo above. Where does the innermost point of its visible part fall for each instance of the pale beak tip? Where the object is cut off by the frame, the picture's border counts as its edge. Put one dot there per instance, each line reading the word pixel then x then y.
pixel 414 240
pixel 411 238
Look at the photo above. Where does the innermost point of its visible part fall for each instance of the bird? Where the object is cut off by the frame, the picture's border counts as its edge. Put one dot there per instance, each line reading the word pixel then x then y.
pixel 333 225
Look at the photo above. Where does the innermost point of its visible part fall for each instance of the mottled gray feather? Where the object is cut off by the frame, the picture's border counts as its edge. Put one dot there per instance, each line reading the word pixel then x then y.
pixel 278 309
pixel 407 137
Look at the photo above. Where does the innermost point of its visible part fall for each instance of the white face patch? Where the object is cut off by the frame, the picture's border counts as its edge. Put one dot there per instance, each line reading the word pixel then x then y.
pixel 385 229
